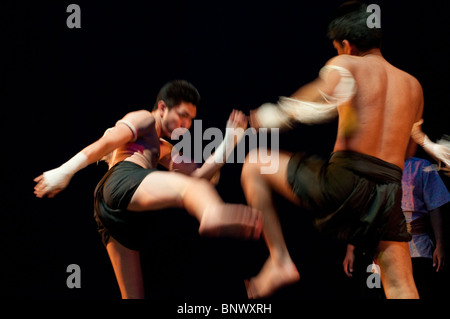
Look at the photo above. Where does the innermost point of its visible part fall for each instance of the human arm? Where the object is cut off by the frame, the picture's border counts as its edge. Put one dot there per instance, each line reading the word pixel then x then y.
pixel 313 103
pixel 349 259
pixel 439 251
pixel 53 181
pixel 440 151
pixel 234 132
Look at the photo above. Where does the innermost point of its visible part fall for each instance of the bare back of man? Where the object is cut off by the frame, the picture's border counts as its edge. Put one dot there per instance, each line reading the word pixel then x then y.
pixel 387 103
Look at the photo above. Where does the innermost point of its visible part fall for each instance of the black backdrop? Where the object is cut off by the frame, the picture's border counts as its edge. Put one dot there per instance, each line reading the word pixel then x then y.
pixel 61 88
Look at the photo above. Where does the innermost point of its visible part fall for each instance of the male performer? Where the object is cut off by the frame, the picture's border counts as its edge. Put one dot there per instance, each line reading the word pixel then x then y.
pixel 356 193
pixel 132 186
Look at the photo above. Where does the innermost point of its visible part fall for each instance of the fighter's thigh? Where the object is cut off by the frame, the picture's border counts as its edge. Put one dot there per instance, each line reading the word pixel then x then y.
pixel 160 190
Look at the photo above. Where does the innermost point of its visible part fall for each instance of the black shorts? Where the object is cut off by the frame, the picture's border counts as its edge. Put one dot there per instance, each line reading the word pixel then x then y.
pixel 353 196
pixel 111 198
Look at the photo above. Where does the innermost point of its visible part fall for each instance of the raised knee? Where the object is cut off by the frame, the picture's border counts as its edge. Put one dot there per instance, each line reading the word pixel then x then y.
pixel 259 162
pixel 199 183
pixel 251 165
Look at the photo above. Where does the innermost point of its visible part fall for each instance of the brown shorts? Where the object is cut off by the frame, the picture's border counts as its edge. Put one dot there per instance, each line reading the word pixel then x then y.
pixel 352 195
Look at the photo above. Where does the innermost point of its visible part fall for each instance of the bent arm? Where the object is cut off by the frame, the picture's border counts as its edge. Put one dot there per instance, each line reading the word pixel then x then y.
pixel 314 103
pixel 440 151
pixel 117 137
pixel 52 182
pixel 234 132
pixel 236 124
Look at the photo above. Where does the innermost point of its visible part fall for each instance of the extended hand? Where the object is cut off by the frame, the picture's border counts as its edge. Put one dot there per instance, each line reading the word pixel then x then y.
pixel 51 183
pixel 237 119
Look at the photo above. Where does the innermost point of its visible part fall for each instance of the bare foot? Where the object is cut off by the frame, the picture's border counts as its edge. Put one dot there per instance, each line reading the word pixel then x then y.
pixel 231 220
pixel 271 277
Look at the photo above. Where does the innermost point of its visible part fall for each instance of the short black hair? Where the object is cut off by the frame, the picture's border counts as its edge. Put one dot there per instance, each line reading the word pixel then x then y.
pixel 175 92
pixel 349 22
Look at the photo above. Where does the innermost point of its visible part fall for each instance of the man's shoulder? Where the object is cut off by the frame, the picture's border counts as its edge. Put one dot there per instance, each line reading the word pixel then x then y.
pixel 343 60
pixel 350 63
pixel 142 119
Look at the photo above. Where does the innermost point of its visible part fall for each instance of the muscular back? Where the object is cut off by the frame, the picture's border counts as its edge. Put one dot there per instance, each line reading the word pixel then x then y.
pixel 387 103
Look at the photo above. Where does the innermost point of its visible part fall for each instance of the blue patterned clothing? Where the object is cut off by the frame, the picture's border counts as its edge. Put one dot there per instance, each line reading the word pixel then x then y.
pixel 423 191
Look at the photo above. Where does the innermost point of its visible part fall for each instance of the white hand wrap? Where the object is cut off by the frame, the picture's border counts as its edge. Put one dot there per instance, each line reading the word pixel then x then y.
pixel 59 178
pixel 440 150
pixel 232 137
pixel 288 110
pixel 308 112
pixel 272 115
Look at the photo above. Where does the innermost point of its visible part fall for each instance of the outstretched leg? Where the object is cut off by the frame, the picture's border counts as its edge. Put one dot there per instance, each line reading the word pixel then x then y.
pixel 279 270
pixel 395 264
pixel 199 197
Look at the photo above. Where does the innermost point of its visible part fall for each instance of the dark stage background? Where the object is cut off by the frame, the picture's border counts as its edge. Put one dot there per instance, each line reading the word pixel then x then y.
pixel 61 88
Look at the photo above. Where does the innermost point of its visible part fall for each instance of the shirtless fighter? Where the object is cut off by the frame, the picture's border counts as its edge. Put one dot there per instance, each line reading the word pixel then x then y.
pixel 356 193
pixel 133 187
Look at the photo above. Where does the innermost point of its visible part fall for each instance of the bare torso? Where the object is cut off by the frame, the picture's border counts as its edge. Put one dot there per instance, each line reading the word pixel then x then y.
pixel 387 103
